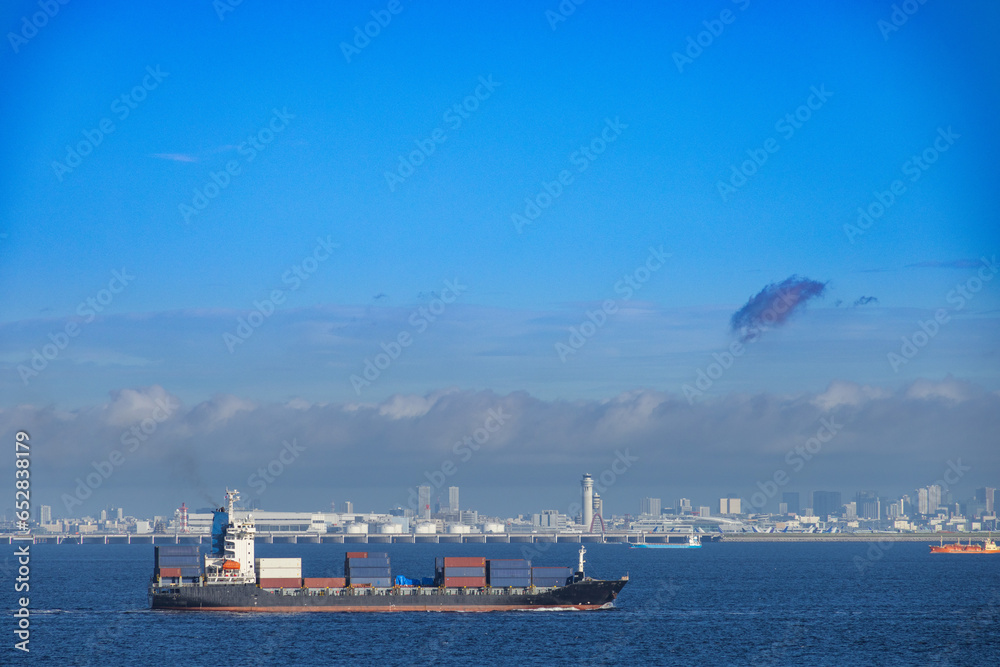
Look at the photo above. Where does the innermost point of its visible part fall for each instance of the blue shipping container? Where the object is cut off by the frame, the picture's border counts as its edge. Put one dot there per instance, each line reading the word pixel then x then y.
pixel 370 571
pixel 178 561
pixel 509 563
pixel 177 550
pixel 367 562
pixel 516 582
pixel 522 570
pixel 380 582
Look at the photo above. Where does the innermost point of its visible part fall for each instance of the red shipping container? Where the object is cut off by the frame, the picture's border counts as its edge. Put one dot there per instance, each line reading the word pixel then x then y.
pixel 325 582
pixel 281 583
pixel 169 572
pixel 458 582
pixel 465 561
pixel 357 554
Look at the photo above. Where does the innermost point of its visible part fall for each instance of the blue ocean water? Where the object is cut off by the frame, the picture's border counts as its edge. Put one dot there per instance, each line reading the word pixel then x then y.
pixel 724 604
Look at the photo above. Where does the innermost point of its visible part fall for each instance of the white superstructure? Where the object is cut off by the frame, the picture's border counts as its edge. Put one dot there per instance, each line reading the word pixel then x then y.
pixel 236 565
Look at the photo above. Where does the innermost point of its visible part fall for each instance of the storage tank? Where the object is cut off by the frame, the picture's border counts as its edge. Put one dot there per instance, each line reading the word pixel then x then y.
pixel 426 528
pixel 356 528
pixel 390 528
pixel 459 528
pixel 493 527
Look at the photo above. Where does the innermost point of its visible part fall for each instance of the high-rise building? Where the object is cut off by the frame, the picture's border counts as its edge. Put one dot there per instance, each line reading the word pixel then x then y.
pixel 43 514
pixel 104 515
pixel 933 498
pixel 826 503
pixel 684 506
pixel 782 508
pixel 986 496
pixel 120 513
pixel 867 505
pixel 650 507
pixel 348 507
pixel 587 490
pixel 729 506
pixel 704 510
pixel 548 519
pixel 424 502
pixel 453 498
pixel 598 506
pixel 923 501
pixel 791 499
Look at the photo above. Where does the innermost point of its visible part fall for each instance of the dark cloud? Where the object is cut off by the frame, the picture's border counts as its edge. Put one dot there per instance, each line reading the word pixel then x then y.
pixel 865 300
pixel 892 441
pixel 773 305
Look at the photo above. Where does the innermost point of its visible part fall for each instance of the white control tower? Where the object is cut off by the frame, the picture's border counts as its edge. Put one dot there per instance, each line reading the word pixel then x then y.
pixel 588 501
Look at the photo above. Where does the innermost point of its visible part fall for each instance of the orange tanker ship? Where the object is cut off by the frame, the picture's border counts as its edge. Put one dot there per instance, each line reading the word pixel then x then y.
pixel 987 547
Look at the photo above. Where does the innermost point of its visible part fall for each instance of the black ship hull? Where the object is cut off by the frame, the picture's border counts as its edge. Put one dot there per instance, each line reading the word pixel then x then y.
pixel 582 595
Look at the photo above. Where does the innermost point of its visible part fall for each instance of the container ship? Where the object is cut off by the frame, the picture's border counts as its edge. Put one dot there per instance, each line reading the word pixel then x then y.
pixel 989 546
pixel 689 542
pixel 231 579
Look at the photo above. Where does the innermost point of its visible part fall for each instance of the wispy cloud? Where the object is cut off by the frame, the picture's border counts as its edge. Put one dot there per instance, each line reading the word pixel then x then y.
pixel 950 264
pixel 175 157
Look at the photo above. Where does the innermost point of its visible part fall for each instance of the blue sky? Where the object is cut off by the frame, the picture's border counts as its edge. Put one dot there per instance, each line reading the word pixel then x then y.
pixel 344 123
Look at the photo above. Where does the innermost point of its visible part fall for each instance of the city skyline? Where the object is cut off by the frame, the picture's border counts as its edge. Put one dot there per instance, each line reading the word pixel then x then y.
pixel 924 500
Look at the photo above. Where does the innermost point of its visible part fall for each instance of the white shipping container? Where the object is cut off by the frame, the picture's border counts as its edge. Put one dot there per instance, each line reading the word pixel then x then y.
pixel 279 562
pixel 278 568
